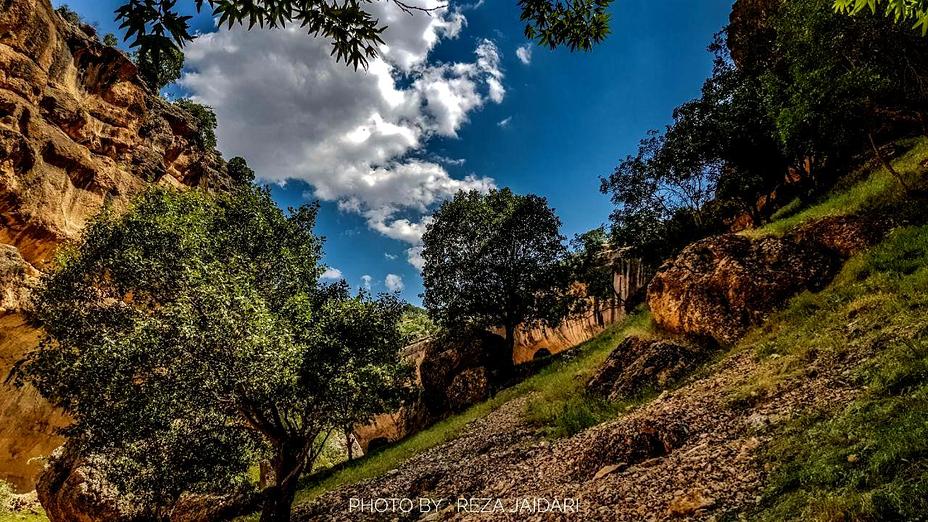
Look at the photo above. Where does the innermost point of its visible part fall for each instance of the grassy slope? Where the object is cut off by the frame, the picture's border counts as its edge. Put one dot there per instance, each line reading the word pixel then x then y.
pixel 558 403
pixel 870 460
pixel 23 517
pixel 553 384
pixel 852 195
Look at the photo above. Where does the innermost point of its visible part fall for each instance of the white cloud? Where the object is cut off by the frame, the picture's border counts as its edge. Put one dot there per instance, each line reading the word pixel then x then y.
pixel 524 53
pixel 394 283
pixel 414 256
pixel 366 281
pixel 389 256
pixel 332 274
pixel 504 122
pixel 468 7
pixel 356 137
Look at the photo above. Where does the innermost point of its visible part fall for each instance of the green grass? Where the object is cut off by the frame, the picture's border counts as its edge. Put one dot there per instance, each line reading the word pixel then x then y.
pixel 878 188
pixel 868 461
pixel 560 405
pixel 547 384
pixel 8 515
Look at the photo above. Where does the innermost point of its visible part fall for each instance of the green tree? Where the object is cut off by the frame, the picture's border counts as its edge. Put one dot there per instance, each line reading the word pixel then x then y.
pixel 206 121
pixel 65 11
pixel 110 40
pixel 190 336
pixel 156 26
pixel 832 82
pixel 416 324
pixel 158 68
pixel 591 265
pixel 901 11
pixel 239 170
pixel 494 260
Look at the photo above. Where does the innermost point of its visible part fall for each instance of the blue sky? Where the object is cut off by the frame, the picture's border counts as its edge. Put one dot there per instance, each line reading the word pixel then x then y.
pixel 569 118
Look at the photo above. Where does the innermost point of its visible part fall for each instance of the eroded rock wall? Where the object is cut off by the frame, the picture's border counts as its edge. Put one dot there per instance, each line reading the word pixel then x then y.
pixel 78 130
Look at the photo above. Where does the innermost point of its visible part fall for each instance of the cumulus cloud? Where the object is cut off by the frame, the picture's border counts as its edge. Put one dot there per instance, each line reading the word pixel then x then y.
pixel 389 256
pixel 356 137
pixel 366 281
pixel 524 53
pixel 394 283
pixel 332 274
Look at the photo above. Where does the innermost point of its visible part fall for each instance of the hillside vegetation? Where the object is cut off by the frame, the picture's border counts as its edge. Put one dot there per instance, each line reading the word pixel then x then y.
pixel 867 330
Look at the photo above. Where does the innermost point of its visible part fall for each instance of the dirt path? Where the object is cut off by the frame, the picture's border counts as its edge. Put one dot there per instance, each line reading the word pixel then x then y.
pixel 688 454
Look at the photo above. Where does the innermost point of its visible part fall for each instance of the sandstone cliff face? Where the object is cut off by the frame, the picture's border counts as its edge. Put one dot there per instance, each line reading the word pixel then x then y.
pixel 529 342
pixel 78 130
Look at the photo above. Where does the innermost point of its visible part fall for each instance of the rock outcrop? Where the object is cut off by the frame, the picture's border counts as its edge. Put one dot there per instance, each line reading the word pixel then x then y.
pixel 451 375
pixel 458 372
pixel 718 287
pixel 842 236
pixel 75 489
pixel 638 364
pixel 78 130
pixel 72 488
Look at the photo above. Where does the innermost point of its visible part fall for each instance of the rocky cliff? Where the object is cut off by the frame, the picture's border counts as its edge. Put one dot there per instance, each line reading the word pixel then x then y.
pixel 78 130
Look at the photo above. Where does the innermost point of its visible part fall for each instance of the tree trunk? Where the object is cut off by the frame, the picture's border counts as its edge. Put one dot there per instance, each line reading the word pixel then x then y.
pixel 349 441
pixel 887 165
pixel 510 343
pixel 279 498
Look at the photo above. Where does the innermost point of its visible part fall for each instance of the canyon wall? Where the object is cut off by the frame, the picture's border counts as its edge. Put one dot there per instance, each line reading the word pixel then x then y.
pixel 78 130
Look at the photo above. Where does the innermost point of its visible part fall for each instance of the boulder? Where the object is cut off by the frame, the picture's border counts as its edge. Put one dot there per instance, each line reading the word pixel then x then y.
pixel 628 443
pixel 448 359
pixel 468 387
pixel 718 287
pixel 637 364
pixel 842 236
pixel 73 489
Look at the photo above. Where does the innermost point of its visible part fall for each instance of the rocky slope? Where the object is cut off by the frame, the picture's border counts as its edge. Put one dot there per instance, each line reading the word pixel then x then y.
pixel 78 130
pixel 686 454
pixel 697 450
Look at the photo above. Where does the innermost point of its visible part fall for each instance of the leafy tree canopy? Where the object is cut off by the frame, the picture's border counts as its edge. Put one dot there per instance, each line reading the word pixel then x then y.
pixel 209 342
pixel 416 324
pixel 494 260
pixel 206 122
pixel 161 70
pixel 156 27
pixel 830 80
pixel 806 94
pixel 911 11
pixel 239 170
pixel 591 264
